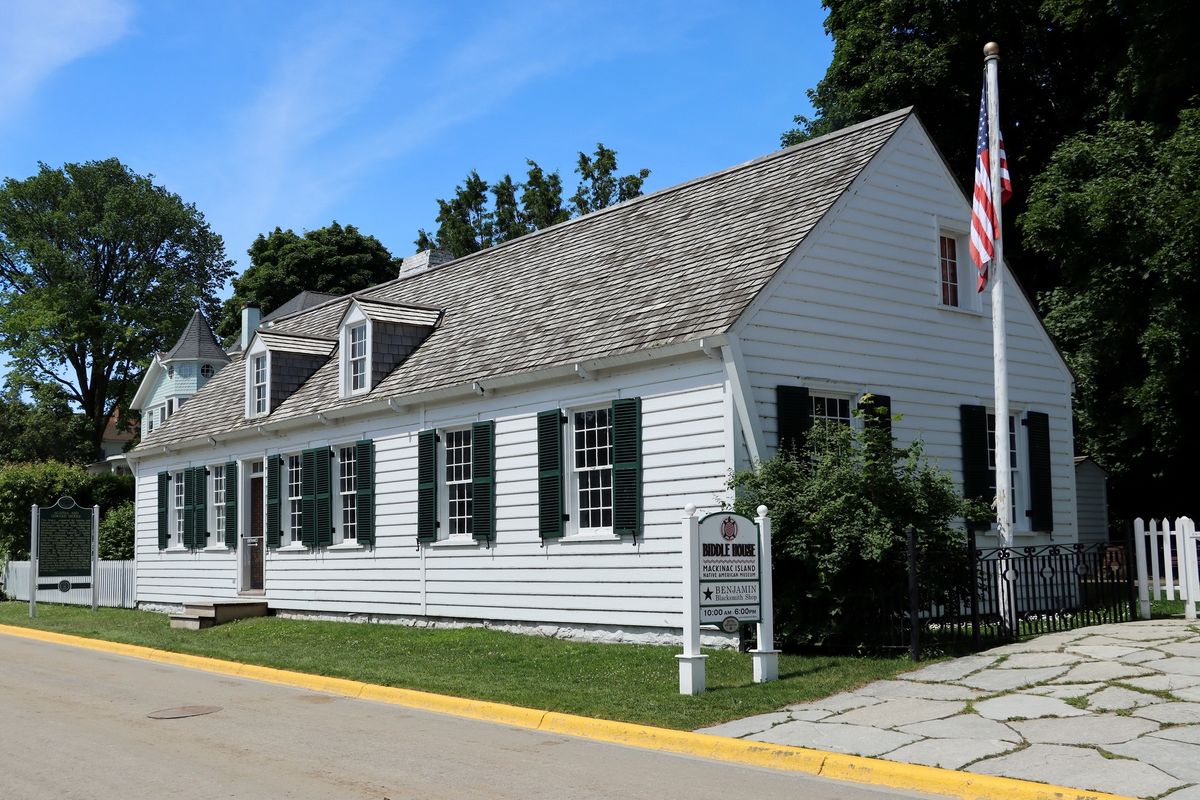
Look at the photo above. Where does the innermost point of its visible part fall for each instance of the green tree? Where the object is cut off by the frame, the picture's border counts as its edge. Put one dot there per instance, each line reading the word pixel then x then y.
pixel 840 511
pixel 117 533
pixel 335 259
pixel 99 268
pixel 600 186
pixel 1116 211
pixel 467 223
pixel 43 430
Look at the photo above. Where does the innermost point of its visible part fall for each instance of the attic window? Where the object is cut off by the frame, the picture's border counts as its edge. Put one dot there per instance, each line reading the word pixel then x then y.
pixel 206 371
pixel 259 383
pixel 358 358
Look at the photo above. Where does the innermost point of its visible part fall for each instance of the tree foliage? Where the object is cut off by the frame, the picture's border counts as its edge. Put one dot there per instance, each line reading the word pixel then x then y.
pixel 43 483
pixel 99 268
pixel 47 429
pixel 335 259
pixel 1076 77
pixel 469 221
pixel 1116 211
pixel 117 533
pixel 840 511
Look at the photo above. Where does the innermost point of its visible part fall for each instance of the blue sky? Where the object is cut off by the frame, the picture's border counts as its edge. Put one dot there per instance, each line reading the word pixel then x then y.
pixel 293 114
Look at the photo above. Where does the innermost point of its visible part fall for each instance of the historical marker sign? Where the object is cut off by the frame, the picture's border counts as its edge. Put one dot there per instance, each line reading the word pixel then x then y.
pixel 63 539
pixel 729 570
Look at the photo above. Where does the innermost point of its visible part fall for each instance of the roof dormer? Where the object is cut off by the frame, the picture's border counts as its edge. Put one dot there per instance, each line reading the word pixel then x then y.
pixel 375 336
pixel 277 364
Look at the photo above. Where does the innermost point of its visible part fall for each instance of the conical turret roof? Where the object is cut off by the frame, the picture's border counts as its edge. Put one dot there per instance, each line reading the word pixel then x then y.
pixel 197 342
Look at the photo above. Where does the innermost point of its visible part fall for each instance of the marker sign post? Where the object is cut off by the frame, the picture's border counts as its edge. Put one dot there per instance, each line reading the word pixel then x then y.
pixel 64 548
pixel 727 582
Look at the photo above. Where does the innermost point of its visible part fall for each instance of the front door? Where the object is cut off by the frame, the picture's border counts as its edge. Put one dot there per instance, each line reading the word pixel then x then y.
pixel 254 542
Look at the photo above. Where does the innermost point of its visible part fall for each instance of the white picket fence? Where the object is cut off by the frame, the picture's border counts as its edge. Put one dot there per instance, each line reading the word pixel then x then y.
pixel 1166 563
pixel 117 582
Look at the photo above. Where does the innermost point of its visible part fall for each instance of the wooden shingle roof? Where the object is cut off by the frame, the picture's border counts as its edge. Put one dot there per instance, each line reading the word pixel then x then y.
pixel 668 267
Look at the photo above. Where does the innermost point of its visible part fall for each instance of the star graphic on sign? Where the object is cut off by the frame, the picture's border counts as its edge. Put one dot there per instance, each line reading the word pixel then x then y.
pixel 708 594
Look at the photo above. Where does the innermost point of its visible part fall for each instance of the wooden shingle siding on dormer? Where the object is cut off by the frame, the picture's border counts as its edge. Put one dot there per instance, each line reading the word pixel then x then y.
pixel 289 371
pixel 391 343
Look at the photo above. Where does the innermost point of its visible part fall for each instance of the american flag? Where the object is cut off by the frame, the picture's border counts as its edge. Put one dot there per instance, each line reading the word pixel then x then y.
pixel 984 228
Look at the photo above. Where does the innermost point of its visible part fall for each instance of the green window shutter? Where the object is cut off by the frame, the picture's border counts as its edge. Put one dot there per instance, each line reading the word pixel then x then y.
pixel 977 475
pixel 200 507
pixel 550 474
pixel 793 417
pixel 877 411
pixel 324 496
pixel 189 503
pixel 231 504
pixel 308 496
pixel 483 480
pixel 626 422
pixel 427 521
pixel 1041 499
pixel 364 490
pixel 274 525
pixel 164 510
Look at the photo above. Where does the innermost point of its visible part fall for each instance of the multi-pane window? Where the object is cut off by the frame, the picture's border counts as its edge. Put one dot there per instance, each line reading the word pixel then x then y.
pixel 295 507
pixel 218 484
pixel 1012 461
pixel 347 486
pixel 591 463
pixel 358 358
pixel 834 409
pixel 206 371
pixel 179 507
pixel 260 384
pixel 948 262
pixel 458 482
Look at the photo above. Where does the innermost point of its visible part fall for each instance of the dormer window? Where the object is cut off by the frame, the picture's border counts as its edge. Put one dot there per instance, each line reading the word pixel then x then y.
pixel 206 371
pixel 259 385
pixel 358 358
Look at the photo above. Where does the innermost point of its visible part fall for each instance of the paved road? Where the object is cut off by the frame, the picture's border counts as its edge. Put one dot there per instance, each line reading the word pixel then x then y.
pixel 73 724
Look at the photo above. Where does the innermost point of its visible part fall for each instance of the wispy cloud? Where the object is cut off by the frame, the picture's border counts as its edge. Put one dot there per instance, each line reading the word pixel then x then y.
pixel 37 39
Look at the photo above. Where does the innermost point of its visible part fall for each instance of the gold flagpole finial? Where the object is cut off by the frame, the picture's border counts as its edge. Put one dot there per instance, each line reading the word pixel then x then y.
pixel 991 50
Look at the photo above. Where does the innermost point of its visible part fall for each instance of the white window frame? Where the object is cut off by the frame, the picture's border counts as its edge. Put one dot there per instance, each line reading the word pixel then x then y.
pixel 256 351
pixel 338 500
pixel 291 509
pixel 217 506
pixel 968 297
pixel 575 527
pixel 177 509
pixel 444 484
pixel 354 319
pixel 211 371
pixel 819 396
pixel 1017 458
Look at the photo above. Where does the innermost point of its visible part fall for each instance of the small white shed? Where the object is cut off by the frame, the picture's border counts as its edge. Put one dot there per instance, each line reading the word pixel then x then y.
pixel 1091 500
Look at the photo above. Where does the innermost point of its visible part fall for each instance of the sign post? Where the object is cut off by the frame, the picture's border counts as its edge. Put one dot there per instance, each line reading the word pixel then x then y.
pixel 64 544
pixel 727 582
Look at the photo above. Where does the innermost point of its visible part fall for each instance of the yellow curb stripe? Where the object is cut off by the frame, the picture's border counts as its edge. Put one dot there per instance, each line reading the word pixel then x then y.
pixel 837 766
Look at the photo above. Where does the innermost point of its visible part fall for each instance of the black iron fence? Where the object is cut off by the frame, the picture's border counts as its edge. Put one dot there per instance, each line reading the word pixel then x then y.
pixel 1020 591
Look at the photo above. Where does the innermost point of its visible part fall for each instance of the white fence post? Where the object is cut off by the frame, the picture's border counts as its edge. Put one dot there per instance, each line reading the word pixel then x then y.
pixel 116 583
pixel 1139 551
pixel 1155 584
pixel 1169 535
pixel 1190 586
pixel 691 662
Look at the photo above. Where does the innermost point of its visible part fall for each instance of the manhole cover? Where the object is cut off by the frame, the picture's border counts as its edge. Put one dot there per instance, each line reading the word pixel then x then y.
pixel 183 711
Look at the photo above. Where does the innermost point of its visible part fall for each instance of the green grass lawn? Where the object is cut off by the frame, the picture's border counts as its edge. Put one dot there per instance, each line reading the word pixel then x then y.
pixel 633 683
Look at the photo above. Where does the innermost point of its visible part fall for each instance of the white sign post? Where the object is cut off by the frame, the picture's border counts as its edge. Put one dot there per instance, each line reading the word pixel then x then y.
pixel 726 582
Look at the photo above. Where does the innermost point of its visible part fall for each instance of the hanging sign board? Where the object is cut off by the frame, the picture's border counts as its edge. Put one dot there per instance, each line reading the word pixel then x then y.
pixel 63 548
pixel 729 571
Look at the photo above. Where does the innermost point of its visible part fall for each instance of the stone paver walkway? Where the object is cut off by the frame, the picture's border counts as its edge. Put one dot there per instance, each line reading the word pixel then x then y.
pixel 1112 708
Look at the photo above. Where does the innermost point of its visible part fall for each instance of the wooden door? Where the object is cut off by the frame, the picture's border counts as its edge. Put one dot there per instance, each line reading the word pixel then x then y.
pixel 255 545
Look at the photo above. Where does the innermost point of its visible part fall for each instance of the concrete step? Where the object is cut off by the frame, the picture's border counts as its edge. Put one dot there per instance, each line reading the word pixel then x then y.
pixel 190 622
pixel 222 611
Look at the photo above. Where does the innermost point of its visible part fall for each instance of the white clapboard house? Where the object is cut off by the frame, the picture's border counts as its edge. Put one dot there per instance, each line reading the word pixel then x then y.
pixel 511 436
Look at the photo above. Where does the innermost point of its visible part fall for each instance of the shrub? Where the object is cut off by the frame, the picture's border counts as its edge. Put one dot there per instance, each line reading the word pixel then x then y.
pixel 116 533
pixel 43 483
pixel 840 510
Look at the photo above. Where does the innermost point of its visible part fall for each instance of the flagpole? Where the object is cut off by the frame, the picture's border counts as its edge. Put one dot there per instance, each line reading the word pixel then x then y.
pixel 991 52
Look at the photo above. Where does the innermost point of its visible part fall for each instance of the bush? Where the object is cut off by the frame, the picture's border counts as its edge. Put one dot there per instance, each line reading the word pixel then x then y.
pixel 839 512
pixel 116 533
pixel 43 483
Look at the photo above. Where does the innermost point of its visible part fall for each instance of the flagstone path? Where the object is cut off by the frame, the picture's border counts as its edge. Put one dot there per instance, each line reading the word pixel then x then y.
pixel 1111 708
